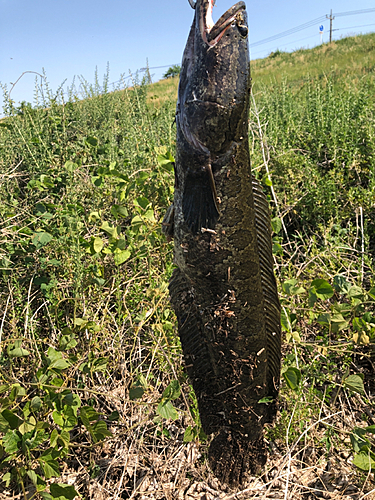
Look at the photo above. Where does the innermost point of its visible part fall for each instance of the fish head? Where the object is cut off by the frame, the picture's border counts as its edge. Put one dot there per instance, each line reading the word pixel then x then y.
pixel 213 95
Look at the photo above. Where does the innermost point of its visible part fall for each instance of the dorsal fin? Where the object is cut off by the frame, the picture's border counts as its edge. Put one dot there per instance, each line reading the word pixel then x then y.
pixel 271 300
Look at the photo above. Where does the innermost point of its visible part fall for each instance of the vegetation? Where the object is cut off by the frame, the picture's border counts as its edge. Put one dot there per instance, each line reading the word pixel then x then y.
pixel 172 71
pixel 93 397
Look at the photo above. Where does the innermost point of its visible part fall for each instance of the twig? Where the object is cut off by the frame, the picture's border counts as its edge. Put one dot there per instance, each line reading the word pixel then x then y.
pixel 3 320
pixel 362 244
pixel 19 78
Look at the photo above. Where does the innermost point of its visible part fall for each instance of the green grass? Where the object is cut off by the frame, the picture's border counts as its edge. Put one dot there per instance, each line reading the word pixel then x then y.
pixel 352 56
pixel 90 361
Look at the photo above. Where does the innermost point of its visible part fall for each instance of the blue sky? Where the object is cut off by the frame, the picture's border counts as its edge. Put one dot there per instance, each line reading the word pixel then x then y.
pixel 73 37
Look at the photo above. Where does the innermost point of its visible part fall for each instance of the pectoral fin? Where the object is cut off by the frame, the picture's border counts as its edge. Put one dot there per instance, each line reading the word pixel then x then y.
pixel 199 204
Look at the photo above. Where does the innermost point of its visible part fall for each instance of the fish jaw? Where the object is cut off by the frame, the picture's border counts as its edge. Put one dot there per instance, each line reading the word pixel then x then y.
pixel 214 80
pixel 212 32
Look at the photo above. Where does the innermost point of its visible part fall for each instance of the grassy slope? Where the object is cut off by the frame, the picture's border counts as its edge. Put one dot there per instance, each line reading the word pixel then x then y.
pixel 84 268
pixel 352 56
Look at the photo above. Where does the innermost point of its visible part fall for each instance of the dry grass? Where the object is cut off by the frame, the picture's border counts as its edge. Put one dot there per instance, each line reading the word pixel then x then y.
pixel 140 463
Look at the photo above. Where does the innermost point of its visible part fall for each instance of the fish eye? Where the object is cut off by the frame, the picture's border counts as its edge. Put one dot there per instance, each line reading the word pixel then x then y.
pixel 243 30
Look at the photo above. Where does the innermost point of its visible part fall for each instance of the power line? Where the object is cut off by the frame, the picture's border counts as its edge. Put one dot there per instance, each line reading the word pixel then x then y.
pixel 143 69
pixel 158 67
pixel 353 12
pixel 291 31
pixel 288 43
pixel 351 27
pixel 306 25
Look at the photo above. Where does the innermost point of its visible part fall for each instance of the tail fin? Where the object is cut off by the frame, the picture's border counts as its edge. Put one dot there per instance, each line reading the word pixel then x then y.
pixel 233 456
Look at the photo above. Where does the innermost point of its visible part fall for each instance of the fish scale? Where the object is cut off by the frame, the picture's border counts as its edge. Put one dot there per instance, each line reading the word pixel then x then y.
pixel 223 289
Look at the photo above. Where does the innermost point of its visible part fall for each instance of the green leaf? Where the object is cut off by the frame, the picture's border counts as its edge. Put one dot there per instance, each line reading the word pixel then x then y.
pixel 276 225
pixel 354 383
pixel 80 322
pixel 62 491
pixel 267 180
pixel 111 230
pixel 97 244
pixel 7 479
pixel 67 339
pixel 312 297
pixel 172 391
pixel 371 292
pixel 49 465
pixel 277 249
pixel 121 256
pixel 324 319
pixel 142 202
pixel 114 416
pixel 364 461
pixel 292 377
pixel 58 418
pixel 165 159
pixel 11 418
pixel 35 403
pixel 290 287
pixel 54 436
pixel 28 425
pixel 323 289
pixel 149 215
pixel 190 434
pixel 65 438
pixel 97 180
pixel 267 399
pixel 38 482
pixel 89 413
pixel 56 381
pixel 340 284
pixel 53 354
pixel 355 292
pixel 4 424
pixel 19 352
pixel 136 392
pixel 59 364
pixel 338 323
pixel 45 495
pixel 70 166
pixel 166 410
pixel 358 439
pixel 91 141
pixel 10 442
pixel 119 211
pixel 287 320
pixel 40 239
pixel 137 221
pixel 100 431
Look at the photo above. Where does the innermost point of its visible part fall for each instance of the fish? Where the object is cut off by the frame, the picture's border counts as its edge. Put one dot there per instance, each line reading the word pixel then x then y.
pixel 223 289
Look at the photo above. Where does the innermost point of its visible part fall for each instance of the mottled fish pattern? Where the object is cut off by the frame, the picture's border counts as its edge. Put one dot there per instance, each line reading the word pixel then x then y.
pixel 223 290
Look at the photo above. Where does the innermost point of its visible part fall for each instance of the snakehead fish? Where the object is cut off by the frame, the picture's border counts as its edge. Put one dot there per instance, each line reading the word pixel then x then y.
pixel 223 289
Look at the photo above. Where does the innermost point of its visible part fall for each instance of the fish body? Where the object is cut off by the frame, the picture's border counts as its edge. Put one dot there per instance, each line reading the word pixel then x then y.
pixel 223 289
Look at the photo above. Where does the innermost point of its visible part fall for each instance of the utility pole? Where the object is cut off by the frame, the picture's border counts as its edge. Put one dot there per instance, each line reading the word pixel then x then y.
pixel 330 25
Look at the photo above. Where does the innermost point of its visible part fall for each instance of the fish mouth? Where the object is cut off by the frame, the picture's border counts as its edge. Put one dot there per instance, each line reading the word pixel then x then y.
pixel 212 32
